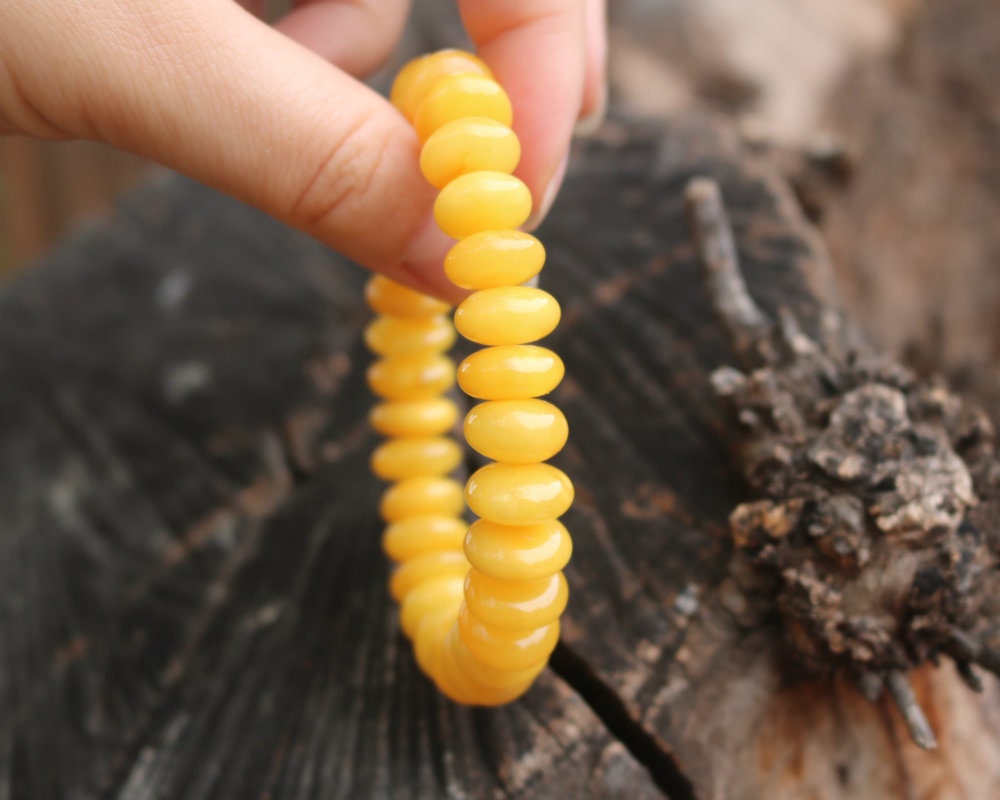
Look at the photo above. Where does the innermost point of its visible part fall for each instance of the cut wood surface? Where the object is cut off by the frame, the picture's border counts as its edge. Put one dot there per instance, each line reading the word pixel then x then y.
pixel 194 597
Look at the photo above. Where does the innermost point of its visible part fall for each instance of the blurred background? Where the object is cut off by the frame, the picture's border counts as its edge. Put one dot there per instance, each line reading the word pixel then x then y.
pixel 885 115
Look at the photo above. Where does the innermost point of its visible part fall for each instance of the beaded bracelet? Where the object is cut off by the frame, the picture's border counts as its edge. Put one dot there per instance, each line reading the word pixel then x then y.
pixel 481 603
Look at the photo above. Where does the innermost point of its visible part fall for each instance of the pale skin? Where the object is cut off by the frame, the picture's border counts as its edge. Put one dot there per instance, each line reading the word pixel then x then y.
pixel 277 117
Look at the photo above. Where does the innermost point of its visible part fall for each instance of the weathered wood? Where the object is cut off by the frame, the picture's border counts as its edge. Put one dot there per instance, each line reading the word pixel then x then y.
pixel 194 601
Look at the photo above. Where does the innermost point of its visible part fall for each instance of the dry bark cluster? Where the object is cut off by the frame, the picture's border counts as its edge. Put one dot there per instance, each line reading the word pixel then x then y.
pixel 875 536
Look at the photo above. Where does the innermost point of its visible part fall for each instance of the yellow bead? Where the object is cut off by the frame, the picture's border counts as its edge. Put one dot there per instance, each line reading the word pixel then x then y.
pixel 458 96
pixel 507 315
pixel 503 649
pixel 429 417
pixel 515 605
pixel 417 77
pixel 481 201
pixel 430 596
pixel 468 145
pixel 385 296
pixel 418 497
pixel 516 431
pixel 411 377
pixel 521 494
pixel 395 336
pixel 453 678
pixel 510 372
pixel 428 638
pixel 491 259
pixel 482 673
pixel 450 681
pixel 430 566
pixel 408 458
pixel 518 552
pixel 415 536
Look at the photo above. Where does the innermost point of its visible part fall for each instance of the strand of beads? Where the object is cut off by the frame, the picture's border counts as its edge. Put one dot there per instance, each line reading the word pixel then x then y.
pixel 482 607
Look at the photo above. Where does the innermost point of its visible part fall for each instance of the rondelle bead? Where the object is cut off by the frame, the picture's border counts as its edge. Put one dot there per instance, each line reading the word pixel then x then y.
pixel 411 377
pixel 395 336
pixel 507 315
pixel 518 552
pixel 396 459
pixel 433 594
pixel 429 417
pixel 510 372
pixel 519 494
pixel 450 681
pixel 456 96
pixel 516 431
pixel 504 649
pixel 452 677
pixel 515 605
pixel 385 296
pixel 414 80
pixel 468 145
pixel 487 675
pixel 481 201
pixel 429 635
pixel 415 536
pixel 427 567
pixel 416 497
pixel 491 259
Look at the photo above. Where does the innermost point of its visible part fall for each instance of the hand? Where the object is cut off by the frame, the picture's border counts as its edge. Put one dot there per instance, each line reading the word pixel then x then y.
pixel 276 117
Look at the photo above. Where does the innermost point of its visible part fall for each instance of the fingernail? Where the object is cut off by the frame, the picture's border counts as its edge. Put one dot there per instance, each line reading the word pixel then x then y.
pixel 595 118
pixel 549 197
pixel 422 265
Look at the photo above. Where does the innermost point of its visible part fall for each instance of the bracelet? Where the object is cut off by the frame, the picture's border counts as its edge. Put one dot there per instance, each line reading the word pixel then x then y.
pixel 481 602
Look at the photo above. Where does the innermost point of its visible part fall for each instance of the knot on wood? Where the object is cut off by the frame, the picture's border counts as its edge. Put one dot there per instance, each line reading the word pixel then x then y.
pixel 873 530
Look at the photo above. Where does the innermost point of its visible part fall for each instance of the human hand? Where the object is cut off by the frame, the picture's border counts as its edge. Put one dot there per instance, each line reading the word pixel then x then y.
pixel 276 117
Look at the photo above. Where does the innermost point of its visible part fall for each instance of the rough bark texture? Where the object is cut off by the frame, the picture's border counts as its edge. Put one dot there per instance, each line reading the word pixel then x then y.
pixel 194 599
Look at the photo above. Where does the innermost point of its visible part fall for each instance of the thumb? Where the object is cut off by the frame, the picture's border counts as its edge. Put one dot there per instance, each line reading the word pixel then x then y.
pixel 207 89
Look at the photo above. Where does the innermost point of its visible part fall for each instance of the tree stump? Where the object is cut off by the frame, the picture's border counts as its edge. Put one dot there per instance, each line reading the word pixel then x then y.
pixel 195 600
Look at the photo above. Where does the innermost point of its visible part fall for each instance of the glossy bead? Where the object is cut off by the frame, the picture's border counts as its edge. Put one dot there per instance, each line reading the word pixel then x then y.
pixel 507 315
pixel 385 296
pixel 418 535
pixel 394 336
pixel 518 552
pixel 411 377
pixel 515 605
pixel 416 497
pixel 516 431
pixel 429 417
pixel 428 638
pixel 425 568
pixel 503 649
pixel 491 259
pixel 468 145
pixel 407 458
pixel 414 80
pixel 519 494
pixel 486 675
pixel 430 596
pixel 451 682
pixel 482 201
pixel 453 677
pixel 453 97
pixel 510 372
